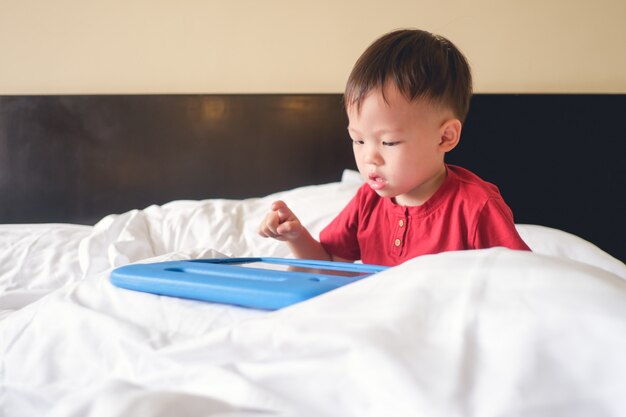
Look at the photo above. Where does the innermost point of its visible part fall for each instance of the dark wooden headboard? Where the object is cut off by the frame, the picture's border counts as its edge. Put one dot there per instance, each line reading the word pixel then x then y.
pixel 556 158
pixel 77 158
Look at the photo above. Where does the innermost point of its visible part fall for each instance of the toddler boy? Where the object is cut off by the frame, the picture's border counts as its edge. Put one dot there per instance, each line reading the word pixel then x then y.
pixel 406 99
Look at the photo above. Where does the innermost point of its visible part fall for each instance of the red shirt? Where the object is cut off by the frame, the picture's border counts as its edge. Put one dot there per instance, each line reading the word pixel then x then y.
pixel 464 213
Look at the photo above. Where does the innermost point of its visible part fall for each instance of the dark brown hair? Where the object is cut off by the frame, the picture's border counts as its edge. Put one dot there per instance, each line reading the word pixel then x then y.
pixel 419 64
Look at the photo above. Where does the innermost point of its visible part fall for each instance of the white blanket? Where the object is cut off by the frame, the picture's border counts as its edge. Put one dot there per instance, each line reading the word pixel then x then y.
pixel 476 333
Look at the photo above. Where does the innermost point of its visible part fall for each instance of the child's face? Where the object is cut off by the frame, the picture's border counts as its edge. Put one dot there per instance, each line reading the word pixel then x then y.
pixel 398 145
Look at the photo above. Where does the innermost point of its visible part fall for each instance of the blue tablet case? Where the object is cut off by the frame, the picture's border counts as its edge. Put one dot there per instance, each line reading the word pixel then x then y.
pixel 242 281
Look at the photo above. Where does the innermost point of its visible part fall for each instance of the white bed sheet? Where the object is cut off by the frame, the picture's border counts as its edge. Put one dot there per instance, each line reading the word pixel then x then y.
pixel 36 259
pixel 490 333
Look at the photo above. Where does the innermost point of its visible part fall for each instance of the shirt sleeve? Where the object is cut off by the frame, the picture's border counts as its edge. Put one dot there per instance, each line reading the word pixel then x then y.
pixel 495 227
pixel 340 238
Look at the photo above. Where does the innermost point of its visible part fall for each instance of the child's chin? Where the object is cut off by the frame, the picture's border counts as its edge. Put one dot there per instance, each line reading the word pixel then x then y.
pixel 384 192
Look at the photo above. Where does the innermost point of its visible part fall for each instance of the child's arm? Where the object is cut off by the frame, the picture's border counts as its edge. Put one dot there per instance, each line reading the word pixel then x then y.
pixel 283 225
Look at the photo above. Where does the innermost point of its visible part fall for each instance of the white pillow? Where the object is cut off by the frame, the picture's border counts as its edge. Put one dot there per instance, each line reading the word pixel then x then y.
pixel 554 242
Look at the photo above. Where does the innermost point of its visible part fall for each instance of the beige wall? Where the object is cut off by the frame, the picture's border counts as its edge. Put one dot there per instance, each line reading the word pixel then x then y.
pixel 234 46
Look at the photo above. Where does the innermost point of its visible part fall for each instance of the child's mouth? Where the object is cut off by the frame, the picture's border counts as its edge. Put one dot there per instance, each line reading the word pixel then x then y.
pixel 376 182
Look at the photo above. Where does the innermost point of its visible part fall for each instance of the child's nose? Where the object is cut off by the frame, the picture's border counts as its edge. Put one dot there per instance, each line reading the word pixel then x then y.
pixel 373 157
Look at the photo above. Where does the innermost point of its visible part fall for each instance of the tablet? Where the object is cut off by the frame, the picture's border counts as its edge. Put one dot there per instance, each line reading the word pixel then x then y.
pixel 263 283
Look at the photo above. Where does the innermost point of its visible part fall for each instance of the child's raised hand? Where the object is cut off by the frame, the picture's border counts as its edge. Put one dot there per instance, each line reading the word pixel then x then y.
pixel 281 223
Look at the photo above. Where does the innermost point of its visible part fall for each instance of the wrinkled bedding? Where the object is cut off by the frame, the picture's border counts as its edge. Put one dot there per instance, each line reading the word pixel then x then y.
pixel 477 333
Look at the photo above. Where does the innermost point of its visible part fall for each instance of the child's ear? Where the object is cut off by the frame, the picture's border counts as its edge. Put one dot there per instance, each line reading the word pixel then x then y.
pixel 450 133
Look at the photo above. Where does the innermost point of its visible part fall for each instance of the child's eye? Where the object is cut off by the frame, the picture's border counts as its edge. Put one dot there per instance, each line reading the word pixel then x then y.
pixel 391 143
pixel 357 142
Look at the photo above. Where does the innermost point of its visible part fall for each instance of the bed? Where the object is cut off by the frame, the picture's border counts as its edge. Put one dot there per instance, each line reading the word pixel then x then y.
pixel 90 183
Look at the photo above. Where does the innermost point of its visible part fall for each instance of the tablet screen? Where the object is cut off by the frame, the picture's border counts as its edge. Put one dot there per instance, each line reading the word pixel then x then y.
pixel 310 270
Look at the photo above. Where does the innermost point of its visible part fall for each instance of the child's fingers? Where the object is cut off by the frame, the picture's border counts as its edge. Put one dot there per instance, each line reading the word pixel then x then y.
pixel 289 229
pixel 284 212
pixel 277 205
pixel 269 225
pixel 284 228
pixel 280 223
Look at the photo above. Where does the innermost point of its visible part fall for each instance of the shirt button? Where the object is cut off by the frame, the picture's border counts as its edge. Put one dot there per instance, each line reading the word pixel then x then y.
pixel 397 242
pixel 401 223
